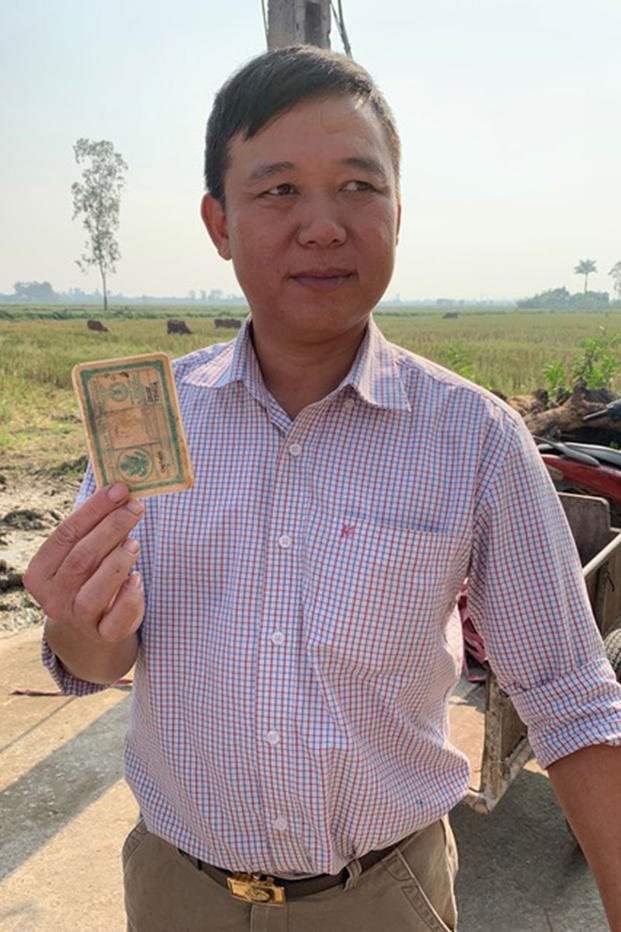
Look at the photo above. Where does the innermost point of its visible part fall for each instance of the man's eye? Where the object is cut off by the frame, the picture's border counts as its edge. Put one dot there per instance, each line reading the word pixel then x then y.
pixel 280 190
pixel 358 185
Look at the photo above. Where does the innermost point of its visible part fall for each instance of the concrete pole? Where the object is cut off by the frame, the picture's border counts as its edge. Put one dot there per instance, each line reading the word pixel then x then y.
pixel 298 21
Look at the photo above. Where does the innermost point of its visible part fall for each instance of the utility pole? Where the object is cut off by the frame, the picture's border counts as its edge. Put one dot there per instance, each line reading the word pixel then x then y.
pixel 298 21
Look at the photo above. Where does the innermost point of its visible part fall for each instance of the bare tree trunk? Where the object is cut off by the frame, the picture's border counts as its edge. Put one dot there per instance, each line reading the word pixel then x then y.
pixel 104 288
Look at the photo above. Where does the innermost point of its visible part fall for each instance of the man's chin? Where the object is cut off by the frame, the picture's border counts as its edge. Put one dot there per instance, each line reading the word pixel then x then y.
pixel 315 329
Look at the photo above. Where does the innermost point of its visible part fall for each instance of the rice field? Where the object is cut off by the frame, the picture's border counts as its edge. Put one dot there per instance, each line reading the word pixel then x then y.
pixel 503 349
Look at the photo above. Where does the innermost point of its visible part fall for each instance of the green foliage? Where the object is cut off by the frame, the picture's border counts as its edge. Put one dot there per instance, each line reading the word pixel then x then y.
pixel 560 299
pixel 597 366
pixel 458 361
pixel 555 379
pixel 27 292
pixel 97 199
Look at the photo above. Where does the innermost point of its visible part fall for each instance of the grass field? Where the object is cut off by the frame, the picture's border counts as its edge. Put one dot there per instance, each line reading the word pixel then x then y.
pixel 39 424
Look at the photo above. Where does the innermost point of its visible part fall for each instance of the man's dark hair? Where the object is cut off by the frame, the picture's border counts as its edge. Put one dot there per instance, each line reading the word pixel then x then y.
pixel 273 83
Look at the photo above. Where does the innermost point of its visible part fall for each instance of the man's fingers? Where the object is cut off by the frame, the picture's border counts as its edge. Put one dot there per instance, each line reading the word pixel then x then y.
pixel 88 554
pixel 73 529
pixel 99 592
pixel 125 616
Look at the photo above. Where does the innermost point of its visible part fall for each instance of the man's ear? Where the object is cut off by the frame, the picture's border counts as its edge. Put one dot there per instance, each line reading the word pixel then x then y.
pixel 398 228
pixel 214 219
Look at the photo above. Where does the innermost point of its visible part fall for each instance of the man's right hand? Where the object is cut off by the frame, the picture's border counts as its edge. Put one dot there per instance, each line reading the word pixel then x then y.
pixel 81 578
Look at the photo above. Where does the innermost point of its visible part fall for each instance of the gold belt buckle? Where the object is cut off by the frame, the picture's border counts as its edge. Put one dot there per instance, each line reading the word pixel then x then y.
pixel 253 888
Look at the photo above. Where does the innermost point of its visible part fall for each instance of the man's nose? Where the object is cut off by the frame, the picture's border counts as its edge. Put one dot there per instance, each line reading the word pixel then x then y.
pixel 320 225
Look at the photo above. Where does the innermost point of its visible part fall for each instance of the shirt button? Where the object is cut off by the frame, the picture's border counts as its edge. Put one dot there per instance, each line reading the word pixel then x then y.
pixel 277 637
pixel 272 737
pixel 280 824
pixel 295 449
pixel 348 404
pixel 284 541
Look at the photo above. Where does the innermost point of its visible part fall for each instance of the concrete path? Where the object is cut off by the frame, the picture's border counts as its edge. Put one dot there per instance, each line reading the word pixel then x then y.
pixel 65 810
pixel 64 807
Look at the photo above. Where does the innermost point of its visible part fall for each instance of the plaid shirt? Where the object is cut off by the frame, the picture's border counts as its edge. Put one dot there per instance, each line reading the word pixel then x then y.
pixel 300 641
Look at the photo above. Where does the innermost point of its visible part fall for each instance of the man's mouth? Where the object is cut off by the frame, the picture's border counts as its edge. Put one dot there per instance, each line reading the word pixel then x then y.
pixel 323 279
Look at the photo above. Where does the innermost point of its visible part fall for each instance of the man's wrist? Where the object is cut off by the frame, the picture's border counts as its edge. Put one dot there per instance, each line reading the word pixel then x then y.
pixel 91 659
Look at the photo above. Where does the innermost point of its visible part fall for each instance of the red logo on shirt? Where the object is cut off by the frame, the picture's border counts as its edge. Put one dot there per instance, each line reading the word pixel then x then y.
pixel 347 530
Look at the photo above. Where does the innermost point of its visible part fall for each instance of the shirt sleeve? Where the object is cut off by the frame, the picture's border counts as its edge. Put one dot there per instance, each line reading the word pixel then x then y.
pixel 71 685
pixel 529 600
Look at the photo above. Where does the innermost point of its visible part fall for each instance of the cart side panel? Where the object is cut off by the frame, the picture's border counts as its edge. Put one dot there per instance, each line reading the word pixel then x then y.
pixel 505 740
pixel 589 520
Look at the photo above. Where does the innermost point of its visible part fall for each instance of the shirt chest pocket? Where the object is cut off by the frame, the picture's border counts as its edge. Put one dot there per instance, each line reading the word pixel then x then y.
pixel 377 595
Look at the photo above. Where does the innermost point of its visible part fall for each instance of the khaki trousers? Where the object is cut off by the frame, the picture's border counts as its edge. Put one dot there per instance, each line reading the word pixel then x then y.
pixel 410 890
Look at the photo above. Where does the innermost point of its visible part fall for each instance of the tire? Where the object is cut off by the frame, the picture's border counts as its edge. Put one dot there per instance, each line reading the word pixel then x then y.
pixel 612 643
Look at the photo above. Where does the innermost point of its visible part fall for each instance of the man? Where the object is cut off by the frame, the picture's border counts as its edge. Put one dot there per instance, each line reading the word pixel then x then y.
pixel 299 640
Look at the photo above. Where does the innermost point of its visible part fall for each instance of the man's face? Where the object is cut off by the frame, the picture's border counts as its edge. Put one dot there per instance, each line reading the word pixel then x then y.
pixel 311 219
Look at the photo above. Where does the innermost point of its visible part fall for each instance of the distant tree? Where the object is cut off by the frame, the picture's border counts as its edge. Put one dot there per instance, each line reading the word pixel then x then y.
pixel 553 298
pixel 559 299
pixel 616 277
pixel 585 267
pixel 97 199
pixel 39 292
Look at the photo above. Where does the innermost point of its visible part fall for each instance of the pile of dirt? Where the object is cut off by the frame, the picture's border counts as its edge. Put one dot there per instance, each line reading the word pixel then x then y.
pixel 566 419
pixel 31 505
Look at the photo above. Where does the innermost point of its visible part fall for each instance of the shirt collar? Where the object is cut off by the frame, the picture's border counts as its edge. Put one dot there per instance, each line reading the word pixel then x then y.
pixel 236 362
pixel 374 374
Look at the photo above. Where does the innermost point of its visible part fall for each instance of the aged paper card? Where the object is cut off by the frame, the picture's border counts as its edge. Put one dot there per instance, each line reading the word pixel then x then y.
pixel 133 424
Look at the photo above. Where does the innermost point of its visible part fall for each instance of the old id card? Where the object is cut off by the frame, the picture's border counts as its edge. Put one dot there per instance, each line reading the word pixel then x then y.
pixel 133 424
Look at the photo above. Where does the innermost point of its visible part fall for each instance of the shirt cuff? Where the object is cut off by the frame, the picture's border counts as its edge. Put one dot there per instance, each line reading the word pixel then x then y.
pixel 69 684
pixel 586 705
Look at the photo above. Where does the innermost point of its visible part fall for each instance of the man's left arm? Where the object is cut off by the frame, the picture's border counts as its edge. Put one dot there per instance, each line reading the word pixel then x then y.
pixel 527 593
pixel 588 786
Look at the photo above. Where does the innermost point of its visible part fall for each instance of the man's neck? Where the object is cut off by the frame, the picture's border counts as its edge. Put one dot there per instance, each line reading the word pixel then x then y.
pixel 298 374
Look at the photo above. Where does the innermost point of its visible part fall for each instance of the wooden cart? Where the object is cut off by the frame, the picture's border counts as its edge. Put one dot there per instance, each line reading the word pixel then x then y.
pixel 484 724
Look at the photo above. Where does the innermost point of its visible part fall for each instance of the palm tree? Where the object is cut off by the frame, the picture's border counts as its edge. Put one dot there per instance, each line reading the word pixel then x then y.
pixel 585 267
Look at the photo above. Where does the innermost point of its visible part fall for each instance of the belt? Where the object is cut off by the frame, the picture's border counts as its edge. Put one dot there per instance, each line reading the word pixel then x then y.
pixel 274 891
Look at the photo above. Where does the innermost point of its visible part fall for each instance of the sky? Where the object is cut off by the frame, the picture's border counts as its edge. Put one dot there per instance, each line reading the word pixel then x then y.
pixel 509 112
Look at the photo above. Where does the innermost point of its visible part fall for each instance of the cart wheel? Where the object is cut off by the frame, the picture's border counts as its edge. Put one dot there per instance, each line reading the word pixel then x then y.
pixel 612 643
